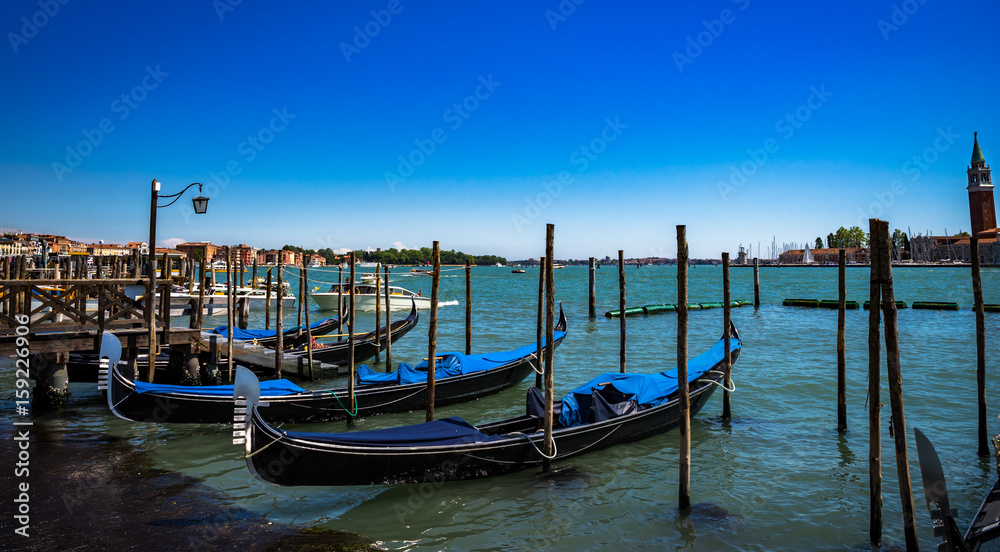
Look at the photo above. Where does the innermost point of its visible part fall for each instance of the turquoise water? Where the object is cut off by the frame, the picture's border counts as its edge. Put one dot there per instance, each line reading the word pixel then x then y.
pixel 779 477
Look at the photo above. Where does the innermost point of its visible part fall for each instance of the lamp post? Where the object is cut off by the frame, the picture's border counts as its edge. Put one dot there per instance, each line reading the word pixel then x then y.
pixel 200 206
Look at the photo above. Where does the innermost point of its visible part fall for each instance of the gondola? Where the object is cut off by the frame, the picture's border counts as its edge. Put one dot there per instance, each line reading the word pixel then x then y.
pixel 452 449
pixel 985 525
pixel 141 401
pixel 268 338
pixel 365 345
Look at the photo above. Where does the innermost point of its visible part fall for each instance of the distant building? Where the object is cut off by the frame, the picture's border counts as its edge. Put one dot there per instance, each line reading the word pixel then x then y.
pixel 142 247
pixel 194 250
pixel 107 249
pixel 830 255
pixel 317 260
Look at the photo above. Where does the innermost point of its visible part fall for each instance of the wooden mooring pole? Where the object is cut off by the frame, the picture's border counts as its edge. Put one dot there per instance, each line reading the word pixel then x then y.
pixel 727 365
pixel 378 312
pixel 350 336
pixel 388 324
pixel 230 308
pixel 875 401
pixel 756 283
pixel 267 301
pixel 880 239
pixel 684 487
pixel 340 300
pixel 201 292
pixel 550 312
pixel 538 324
pixel 621 311
pixel 468 306
pixel 432 332
pixel 279 322
pixel 977 292
pixel 309 333
pixel 842 344
pixel 592 286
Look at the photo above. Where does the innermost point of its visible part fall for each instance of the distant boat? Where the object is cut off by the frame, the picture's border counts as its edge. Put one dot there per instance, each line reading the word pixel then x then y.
pixel 499 265
pixel 558 266
pixel 364 297
pixel 518 271
pixel 422 271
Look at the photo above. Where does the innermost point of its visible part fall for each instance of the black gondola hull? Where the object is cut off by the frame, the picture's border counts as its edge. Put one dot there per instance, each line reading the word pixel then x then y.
pixel 281 458
pixel 316 406
pixel 294 462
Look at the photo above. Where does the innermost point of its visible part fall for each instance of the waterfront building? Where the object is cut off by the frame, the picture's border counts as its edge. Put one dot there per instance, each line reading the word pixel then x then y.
pixel 982 214
pixel 193 250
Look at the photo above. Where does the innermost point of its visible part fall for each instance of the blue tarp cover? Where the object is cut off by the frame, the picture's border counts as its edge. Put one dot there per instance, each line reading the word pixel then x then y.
pixel 250 335
pixel 447 431
pixel 269 388
pixel 647 389
pixel 447 365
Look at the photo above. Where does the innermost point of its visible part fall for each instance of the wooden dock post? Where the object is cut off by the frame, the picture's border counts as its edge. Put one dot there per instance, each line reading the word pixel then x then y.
pixel 592 286
pixel 432 332
pixel 309 333
pixel 298 321
pixel 621 311
pixel 267 301
pixel 550 313
pixel 350 336
pixel 388 324
pixel 253 278
pixel 230 307
pixel 880 239
pixel 378 312
pixel 727 365
pixel 279 322
pixel 203 282
pixel 875 400
pixel 977 292
pixel 468 306
pixel 842 343
pixel 756 283
pixel 684 488
pixel 340 299
pixel 538 325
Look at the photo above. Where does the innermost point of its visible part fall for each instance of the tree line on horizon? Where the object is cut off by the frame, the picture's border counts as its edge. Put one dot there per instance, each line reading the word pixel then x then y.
pixel 395 256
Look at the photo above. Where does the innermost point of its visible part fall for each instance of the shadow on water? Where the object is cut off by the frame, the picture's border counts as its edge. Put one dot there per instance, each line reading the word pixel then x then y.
pixel 701 519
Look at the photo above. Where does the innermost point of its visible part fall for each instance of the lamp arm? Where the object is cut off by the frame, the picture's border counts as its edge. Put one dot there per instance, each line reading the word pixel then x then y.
pixel 178 194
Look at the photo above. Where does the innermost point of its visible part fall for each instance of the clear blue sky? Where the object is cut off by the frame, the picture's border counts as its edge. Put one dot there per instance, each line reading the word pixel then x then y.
pixel 647 111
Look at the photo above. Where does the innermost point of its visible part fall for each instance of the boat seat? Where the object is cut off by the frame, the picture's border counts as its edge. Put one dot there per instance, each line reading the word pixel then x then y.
pixel 535 406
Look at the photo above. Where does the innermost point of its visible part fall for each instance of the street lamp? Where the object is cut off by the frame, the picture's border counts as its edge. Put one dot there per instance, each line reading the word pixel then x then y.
pixel 200 206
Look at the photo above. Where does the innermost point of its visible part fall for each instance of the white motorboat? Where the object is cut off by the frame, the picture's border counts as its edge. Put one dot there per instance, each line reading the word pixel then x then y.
pixel 364 298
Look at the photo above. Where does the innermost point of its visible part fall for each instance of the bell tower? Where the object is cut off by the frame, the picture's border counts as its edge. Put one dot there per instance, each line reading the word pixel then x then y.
pixel 981 207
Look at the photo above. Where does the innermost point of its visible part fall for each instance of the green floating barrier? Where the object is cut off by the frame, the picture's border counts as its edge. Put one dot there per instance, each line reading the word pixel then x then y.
pixel 800 303
pixel 899 305
pixel 652 309
pixel 935 305
pixel 991 308
pixel 710 305
pixel 832 304
pixel 632 311
pixel 694 306
pixel 744 303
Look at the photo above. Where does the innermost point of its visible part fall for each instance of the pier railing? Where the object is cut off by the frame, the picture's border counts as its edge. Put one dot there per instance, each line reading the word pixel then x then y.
pixel 73 310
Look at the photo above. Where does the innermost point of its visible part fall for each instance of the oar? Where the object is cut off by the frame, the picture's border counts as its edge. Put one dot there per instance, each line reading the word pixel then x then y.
pixel 936 495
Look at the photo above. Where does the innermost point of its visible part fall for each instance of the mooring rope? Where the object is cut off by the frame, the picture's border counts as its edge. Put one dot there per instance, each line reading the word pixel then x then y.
pixel 555 451
pixel 733 390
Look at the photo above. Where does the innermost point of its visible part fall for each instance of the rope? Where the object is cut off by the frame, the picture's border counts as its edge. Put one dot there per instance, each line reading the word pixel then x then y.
pixel 261 449
pixel 537 371
pixel 555 452
pixel 733 390
pixel 354 401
